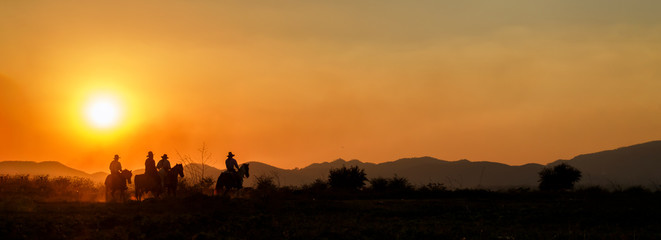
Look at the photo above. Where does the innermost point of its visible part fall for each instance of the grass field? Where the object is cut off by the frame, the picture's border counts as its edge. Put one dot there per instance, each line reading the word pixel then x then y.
pixel 459 215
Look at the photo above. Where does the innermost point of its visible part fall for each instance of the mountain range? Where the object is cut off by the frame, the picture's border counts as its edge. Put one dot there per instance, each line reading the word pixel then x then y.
pixel 51 168
pixel 626 166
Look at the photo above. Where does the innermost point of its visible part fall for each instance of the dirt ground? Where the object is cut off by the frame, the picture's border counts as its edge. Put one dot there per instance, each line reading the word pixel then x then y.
pixel 453 217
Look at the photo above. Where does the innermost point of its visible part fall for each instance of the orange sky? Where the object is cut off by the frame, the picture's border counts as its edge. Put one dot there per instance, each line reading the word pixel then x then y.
pixel 290 83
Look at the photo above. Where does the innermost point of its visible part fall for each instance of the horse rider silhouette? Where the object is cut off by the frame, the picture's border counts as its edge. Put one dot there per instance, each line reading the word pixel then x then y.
pixel 231 164
pixel 163 168
pixel 116 169
pixel 150 167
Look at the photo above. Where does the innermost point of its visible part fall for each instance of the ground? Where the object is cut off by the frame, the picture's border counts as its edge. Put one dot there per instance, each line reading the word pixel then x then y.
pixel 459 216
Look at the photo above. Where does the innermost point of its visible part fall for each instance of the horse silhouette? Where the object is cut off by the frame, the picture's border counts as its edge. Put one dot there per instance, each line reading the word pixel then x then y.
pixel 228 180
pixel 146 183
pixel 171 180
pixel 115 182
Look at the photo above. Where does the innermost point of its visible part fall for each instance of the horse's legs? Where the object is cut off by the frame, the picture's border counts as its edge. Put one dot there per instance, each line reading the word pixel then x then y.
pixel 112 195
pixel 156 192
pixel 138 194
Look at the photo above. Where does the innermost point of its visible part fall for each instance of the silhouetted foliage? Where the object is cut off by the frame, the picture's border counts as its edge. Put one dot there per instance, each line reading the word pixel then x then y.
pixel 433 187
pixel 352 178
pixel 379 184
pixel 317 186
pixel 399 184
pixel 47 189
pixel 560 177
pixel 265 182
pixel 636 190
pixel 204 185
pixel 195 168
pixel 394 184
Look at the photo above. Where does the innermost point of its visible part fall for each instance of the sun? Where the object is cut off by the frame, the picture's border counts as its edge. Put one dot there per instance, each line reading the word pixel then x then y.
pixel 103 111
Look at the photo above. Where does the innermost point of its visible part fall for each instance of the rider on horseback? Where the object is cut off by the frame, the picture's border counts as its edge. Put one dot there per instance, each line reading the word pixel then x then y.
pixel 232 167
pixel 233 177
pixel 231 164
pixel 115 170
pixel 150 167
pixel 163 168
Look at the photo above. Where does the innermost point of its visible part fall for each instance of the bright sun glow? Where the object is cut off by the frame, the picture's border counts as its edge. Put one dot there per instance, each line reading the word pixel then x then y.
pixel 103 112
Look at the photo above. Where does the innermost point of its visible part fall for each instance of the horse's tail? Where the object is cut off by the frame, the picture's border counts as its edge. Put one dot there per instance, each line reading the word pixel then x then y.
pixel 218 182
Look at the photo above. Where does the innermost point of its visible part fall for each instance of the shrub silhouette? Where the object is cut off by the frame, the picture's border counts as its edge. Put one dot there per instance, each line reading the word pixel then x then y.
pixel 352 178
pixel 379 184
pixel 433 188
pixel 399 184
pixel 317 186
pixel 394 184
pixel 560 177
pixel 265 183
pixel 43 188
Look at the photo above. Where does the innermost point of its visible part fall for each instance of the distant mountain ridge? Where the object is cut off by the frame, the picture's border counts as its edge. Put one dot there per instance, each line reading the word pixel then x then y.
pixel 51 168
pixel 638 164
pixel 424 170
pixel 626 166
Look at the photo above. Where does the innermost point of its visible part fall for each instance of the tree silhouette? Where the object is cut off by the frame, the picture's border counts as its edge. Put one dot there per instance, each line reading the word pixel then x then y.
pixel 352 178
pixel 560 177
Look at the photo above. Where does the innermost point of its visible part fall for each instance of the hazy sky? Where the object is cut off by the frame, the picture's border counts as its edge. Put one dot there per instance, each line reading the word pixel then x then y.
pixel 290 83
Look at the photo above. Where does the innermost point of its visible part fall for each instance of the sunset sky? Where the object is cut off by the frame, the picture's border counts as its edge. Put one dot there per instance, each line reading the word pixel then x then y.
pixel 290 83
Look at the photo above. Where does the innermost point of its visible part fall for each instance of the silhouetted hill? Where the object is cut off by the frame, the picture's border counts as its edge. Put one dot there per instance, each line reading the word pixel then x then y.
pixel 286 177
pixel 418 171
pixel 626 166
pixel 633 165
pixel 50 168
pixel 425 170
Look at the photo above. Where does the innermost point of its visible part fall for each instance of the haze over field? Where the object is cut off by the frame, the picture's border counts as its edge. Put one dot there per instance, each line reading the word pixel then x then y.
pixel 294 83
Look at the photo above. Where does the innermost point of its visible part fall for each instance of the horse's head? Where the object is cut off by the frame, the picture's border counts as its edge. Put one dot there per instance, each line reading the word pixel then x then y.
pixel 245 168
pixel 179 169
pixel 127 174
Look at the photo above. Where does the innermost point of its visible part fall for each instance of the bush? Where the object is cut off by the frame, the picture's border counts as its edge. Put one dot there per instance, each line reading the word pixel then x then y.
pixel 352 178
pixel 394 184
pixel 560 177
pixel 399 184
pixel 315 187
pixel 205 185
pixel 433 188
pixel 42 188
pixel 265 182
pixel 379 184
